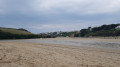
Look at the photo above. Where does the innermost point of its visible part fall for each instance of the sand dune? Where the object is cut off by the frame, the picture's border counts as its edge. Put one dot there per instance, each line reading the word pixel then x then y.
pixel 18 54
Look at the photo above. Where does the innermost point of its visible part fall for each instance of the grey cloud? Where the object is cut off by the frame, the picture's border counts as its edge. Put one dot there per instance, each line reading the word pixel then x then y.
pixel 61 6
pixel 59 13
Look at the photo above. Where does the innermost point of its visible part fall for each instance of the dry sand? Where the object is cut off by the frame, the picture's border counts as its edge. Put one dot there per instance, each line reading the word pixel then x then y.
pixel 18 54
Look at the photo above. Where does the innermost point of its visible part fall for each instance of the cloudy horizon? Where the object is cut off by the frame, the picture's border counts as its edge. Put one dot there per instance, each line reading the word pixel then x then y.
pixel 58 15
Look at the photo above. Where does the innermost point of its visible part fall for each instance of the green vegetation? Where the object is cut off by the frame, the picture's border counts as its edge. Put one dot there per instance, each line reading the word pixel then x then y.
pixel 101 31
pixel 9 33
pixel 15 31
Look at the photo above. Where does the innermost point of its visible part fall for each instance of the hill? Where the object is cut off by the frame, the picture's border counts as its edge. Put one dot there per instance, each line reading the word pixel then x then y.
pixel 11 33
pixel 15 31
pixel 100 31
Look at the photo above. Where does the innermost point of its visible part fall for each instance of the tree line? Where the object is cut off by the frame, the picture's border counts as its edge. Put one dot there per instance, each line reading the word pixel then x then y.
pixel 101 31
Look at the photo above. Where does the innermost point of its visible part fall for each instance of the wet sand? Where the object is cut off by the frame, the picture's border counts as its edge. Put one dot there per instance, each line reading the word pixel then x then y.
pixel 26 54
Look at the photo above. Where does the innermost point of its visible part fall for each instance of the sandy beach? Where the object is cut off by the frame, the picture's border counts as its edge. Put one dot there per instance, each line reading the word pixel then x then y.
pixel 26 54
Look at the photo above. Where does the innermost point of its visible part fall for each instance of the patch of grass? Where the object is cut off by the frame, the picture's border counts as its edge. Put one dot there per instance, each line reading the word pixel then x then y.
pixel 15 31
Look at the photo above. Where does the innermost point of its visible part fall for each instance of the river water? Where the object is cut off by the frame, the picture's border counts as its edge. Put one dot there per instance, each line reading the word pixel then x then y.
pixel 76 42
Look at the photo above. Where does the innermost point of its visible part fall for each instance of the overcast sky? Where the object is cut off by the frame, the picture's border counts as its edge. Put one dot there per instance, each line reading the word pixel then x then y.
pixel 58 15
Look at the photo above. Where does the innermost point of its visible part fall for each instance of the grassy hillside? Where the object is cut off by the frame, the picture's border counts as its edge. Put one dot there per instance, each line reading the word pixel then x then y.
pixel 11 33
pixel 15 31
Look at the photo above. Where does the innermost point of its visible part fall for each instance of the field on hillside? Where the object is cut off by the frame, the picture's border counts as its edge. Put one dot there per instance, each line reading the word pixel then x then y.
pixel 14 31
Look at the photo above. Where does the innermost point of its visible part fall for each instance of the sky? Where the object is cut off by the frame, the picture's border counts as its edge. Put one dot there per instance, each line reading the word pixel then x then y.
pixel 39 16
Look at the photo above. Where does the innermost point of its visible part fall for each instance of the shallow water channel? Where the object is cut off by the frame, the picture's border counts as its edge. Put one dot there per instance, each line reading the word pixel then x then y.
pixel 75 42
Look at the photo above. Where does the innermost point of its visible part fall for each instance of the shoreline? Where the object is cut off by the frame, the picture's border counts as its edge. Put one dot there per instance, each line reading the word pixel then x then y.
pixel 118 37
pixel 83 42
